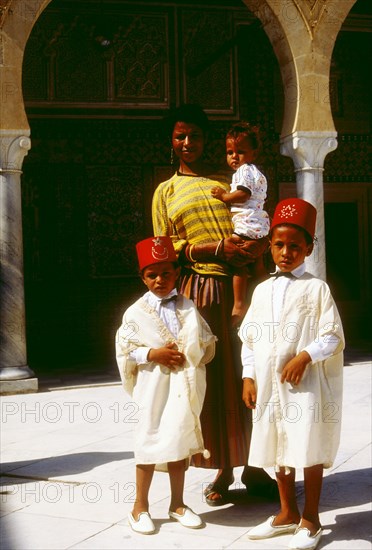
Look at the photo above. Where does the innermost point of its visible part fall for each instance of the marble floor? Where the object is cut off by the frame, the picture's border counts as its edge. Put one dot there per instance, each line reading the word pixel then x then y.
pixel 68 478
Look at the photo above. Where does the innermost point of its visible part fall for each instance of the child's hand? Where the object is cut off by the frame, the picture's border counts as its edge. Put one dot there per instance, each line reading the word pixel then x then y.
pixel 169 356
pixel 249 393
pixel 217 193
pixel 295 368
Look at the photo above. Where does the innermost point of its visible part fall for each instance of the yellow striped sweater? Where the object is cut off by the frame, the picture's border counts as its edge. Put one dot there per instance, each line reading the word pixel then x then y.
pixel 184 209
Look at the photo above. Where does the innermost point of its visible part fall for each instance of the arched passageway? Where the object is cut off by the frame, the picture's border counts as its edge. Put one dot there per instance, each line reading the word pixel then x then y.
pixel 93 98
pixel 85 209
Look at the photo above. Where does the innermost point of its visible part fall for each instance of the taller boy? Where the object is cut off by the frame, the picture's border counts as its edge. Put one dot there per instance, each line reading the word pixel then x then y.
pixel 292 370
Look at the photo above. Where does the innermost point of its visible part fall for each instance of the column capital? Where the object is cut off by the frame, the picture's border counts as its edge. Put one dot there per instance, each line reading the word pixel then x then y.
pixel 14 146
pixel 308 149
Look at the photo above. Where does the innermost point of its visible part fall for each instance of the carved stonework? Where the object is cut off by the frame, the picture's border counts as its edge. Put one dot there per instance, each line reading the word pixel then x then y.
pixel 4 10
pixel 13 148
pixel 311 12
pixel 127 59
pixel 71 58
pixel 141 53
pixel 115 205
pixel 208 61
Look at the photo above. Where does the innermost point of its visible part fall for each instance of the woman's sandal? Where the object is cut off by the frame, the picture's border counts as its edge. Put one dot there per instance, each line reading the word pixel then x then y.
pixel 210 491
pixel 215 489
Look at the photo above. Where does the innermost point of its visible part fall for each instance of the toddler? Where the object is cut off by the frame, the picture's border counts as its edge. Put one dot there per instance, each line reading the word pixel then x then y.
pixel 246 200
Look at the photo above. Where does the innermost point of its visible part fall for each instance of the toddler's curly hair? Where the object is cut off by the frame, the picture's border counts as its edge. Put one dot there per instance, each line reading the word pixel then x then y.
pixel 247 130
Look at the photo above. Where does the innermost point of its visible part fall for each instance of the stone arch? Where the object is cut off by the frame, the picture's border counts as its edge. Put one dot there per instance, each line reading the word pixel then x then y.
pixel 303 35
pixel 17 18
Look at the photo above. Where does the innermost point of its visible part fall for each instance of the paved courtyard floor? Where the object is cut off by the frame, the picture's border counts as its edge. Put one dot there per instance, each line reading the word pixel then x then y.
pixel 68 478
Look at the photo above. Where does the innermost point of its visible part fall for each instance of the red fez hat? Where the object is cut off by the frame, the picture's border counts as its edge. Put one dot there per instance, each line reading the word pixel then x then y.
pixel 155 250
pixel 295 212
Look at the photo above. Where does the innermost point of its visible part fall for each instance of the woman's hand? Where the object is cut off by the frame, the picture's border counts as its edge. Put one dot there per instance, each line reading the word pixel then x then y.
pixel 235 253
pixel 249 393
pixel 254 247
pixel 232 250
pixel 169 356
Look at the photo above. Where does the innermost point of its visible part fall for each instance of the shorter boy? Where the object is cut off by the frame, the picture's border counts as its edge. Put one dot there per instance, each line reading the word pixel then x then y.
pixel 292 375
pixel 162 348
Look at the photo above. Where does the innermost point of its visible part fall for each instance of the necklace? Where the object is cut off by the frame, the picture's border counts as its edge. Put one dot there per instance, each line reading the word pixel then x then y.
pixel 186 173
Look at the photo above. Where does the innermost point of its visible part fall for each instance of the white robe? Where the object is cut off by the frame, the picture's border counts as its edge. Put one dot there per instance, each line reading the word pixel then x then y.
pixel 294 426
pixel 169 402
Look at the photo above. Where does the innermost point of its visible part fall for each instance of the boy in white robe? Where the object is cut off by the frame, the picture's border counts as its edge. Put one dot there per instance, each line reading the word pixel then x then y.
pixel 292 357
pixel 162 347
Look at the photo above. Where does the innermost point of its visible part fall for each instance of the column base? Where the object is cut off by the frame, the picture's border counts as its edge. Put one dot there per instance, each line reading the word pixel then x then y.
pixel 25 385
pixel 17 380
pixel 16 373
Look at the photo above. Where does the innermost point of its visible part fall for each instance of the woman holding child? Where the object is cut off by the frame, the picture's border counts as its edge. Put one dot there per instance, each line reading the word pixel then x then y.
pixel 200 227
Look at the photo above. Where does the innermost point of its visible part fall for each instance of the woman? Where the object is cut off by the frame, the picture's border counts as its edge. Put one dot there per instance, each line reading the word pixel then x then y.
pixel 200 227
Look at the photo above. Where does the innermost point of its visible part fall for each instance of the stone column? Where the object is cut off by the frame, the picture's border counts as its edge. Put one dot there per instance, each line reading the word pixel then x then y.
pixel 15 375
pixel 308 151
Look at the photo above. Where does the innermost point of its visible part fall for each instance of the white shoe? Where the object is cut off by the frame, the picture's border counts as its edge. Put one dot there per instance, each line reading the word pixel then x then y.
pixel 266 529
pixel 302 540
pixel 187 519
pixel 143 525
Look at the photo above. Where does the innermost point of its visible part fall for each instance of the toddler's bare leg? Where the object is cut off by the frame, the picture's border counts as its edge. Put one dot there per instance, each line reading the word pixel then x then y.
pixel 259 271
pixel 240 286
